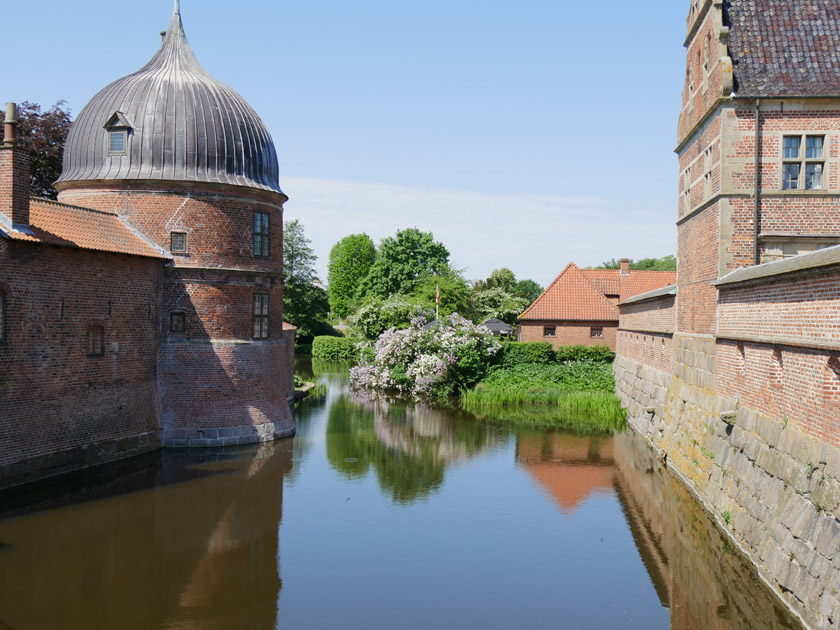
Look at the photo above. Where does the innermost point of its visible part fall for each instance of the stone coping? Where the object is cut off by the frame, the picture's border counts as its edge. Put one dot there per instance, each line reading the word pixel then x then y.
pixel 647 331
pixel 818 260
pixel 789 342
pixel 651 295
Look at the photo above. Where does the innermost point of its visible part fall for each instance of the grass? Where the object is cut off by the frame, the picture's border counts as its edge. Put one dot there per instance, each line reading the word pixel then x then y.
pixel 576 394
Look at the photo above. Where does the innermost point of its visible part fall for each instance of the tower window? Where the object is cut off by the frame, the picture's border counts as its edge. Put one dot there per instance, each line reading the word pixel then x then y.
pixel 794 162
pixel 116 142
pixel 178 242
pixel 177 322
pixel 260 315
pixel 95 341
pixel 261 234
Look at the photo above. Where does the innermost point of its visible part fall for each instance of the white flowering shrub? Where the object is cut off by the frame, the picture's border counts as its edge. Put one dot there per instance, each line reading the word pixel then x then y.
pixel 452 356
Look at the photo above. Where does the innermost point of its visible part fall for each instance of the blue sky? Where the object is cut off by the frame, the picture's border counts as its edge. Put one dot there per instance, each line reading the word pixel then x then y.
pixel 522 134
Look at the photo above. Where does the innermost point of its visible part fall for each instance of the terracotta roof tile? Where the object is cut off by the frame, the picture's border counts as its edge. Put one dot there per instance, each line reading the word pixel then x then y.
pixel 54 223
pixel 581 294
pixel 572 296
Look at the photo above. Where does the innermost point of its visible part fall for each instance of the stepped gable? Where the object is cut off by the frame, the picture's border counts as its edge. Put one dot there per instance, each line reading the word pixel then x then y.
pixel 53 223
pixel 572 296
pixel 182 125
pixel 784 47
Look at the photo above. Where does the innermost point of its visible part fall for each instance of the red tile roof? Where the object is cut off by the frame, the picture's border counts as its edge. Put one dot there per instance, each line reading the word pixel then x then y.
pixel 581 294
pixel 54 223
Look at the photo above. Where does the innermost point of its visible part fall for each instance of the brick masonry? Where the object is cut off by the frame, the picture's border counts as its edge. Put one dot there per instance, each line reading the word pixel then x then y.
pixel 569 333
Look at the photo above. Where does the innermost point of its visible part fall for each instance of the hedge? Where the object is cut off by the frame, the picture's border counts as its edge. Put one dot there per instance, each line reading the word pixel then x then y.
pixel 335 348
pixel 519 353
pixel 601 354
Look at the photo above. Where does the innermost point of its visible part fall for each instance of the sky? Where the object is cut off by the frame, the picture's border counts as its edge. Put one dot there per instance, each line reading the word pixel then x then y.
pixel 521 134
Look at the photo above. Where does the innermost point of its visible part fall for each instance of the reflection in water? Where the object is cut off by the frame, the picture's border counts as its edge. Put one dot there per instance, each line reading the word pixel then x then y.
pixel 707 584
pixel 408 446
pixel 187 540
pixel 177 540
pixel 569 467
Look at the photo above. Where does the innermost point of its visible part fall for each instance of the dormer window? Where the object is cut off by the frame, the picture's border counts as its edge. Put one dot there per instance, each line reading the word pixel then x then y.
pixel 118 129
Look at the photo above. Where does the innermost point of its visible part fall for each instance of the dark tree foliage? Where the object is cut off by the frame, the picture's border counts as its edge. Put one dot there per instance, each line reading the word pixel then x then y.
pixel 666 263
pixel 304 304
pixel 402 262
pixel 350 262
pixel 43 134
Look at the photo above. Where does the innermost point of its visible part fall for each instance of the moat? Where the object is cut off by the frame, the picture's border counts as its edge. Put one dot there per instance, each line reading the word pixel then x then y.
pixel 377 516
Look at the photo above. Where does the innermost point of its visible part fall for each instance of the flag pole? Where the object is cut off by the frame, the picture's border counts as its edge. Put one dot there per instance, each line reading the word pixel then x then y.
pixel 437 302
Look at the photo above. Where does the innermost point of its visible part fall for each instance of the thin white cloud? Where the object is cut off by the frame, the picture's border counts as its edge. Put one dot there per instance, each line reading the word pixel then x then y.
pixel 534 235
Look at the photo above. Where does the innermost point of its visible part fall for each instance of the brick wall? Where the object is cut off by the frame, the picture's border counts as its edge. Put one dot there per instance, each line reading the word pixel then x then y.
pixel 656 315
pixel 15 165
pixel 651 349
pixel 569 333
pixel 59 407
pixel 697 267
pixel 780 347
pixel 218 220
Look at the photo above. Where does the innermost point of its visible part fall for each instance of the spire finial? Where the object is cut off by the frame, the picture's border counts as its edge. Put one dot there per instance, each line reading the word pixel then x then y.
pixel 178 7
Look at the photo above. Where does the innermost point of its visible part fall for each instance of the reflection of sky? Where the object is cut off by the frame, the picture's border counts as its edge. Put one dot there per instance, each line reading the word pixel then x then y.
pixel 489 549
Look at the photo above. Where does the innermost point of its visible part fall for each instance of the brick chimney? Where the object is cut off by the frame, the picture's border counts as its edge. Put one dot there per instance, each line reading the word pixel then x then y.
pixel 15 173
pixel 625 266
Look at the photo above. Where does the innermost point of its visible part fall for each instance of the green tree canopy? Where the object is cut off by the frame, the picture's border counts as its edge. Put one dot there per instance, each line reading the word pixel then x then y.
pixel 402 261
pixel 666 263
pixel 498 303
pixel 454 293
pixel 43 134
pixel 304 304
pixel 350 262
pixel 527 289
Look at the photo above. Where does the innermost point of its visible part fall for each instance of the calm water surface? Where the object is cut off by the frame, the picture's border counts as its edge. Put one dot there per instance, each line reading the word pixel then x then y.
pixel 377 516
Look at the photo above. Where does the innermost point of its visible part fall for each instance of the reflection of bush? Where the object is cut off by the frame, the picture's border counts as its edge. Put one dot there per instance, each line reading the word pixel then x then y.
pixel 408 447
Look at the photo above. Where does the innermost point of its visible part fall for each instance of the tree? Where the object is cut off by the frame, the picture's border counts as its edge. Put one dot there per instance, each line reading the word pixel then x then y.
pixel 350 262
pixel 304 304
pixel 502 278
pixel 454 293
pixel 666 263
pixel 402 261
pixel 498 303
pixel 527 289
pixel 43 134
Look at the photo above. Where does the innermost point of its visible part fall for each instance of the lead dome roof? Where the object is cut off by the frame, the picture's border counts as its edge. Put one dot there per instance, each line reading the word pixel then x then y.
pixel 184 125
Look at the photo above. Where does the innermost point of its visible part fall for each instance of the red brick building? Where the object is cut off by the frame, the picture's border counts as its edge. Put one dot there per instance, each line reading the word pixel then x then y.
pixel 580 306
pixel 144 308
pixel 736 378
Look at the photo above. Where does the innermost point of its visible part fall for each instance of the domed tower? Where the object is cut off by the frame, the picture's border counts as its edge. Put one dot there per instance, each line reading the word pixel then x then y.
pixel 187 162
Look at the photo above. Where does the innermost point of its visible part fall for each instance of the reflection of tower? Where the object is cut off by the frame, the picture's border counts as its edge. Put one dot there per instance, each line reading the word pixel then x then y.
pixel 190 165
pixel 570 468
pixel 193 546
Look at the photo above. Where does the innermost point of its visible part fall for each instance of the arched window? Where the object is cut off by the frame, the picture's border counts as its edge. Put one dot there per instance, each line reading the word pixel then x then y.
pixel 95 341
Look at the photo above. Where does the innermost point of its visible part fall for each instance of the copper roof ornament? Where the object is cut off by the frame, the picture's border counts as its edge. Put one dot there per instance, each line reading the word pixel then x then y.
pixel 187 127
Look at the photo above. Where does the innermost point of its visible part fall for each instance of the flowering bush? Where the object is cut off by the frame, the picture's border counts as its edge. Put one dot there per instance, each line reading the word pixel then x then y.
pixel 452 356
pixel 377 315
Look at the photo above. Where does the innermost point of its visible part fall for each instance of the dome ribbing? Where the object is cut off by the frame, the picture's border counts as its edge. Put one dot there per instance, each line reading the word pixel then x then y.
pixel 181 123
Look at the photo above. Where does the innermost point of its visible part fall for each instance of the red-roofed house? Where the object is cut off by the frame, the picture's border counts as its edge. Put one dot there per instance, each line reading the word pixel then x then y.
pixel 580 306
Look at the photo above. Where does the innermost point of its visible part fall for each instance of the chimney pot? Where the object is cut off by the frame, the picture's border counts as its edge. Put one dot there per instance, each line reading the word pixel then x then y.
pixel 10 126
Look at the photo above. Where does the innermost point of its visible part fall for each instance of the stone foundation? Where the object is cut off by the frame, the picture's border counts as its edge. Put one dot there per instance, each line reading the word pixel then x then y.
pixel 775 489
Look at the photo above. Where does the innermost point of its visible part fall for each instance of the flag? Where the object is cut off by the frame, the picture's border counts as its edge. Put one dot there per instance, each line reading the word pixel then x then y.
pixel 437 294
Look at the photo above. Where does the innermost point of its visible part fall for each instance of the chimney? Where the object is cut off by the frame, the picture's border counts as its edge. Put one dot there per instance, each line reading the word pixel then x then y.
pixel 15 173
pixel 625 266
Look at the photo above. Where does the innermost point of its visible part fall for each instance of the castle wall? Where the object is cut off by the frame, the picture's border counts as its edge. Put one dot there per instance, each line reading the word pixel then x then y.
pixel 219 382
pixel 569 333
pixel 61 409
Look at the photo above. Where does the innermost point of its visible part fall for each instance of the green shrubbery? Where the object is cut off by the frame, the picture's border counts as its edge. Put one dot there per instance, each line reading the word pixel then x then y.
pixel 542 353
pixel 335 348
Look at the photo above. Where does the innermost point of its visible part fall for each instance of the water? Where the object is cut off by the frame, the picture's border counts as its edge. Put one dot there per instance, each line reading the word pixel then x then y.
pixel 377 516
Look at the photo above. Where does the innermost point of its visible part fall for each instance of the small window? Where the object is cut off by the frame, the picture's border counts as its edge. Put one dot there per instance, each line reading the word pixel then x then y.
pixel 178 242
pixel 2 317
pixel 596 332
pixel 95 341
pixel 261 234
pixel 116 142
pixel 550 331
pixel 791 147
pixel 790 178
pixel 261 316
pixel 814 147
pixel 803 171
pixel 177 322
pixel 813 176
